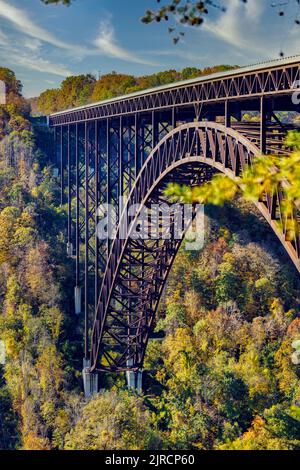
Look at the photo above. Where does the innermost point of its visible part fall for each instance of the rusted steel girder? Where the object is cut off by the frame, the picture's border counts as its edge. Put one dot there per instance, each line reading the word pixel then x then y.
pixel 131 147
pixel 137 270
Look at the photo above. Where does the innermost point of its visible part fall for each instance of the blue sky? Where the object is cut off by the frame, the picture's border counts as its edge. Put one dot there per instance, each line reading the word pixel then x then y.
pixel 44 44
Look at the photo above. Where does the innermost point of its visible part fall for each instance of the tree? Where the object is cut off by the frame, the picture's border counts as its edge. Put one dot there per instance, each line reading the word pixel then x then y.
pixel 36 411
pixel 48 101
pixel 112 85
pixel 125 424
pixel 9 436
pixel 74 91
pixel 278 429
pixel 12 84
pixel 226 362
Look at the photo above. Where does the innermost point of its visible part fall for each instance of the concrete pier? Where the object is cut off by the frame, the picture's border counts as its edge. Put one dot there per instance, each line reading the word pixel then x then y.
pixel 134 378
pixel 90 380
pixel 77 299
pixel 70 249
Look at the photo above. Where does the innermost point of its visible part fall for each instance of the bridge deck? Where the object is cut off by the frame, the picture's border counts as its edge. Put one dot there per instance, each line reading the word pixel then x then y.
pixel 269 78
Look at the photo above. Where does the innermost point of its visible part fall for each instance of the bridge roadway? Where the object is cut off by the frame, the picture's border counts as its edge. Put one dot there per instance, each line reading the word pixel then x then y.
pixel 132 146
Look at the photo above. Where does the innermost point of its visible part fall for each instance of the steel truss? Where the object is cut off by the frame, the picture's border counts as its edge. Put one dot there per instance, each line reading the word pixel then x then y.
pixel 133 147
pixel 137 269
pixel 99 162
pixel 273 80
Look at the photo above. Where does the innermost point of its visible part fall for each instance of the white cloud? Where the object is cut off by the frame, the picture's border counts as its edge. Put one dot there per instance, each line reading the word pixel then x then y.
pixel 22 50
pixel 107 44
pixel 180 53
pixel 50 82
pixel 32 44
pixel 238 25
pixel 21 21
pixel 32 61
pixel 39 64
pixel 28 55
pixel 244 27
pixel 3 38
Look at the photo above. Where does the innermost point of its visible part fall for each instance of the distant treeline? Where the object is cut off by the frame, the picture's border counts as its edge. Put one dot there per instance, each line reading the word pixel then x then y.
pixel 82 89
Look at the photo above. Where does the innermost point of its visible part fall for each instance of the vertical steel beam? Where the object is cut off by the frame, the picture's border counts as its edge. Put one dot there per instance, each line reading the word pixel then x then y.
pixel 173 118
pixel 86 258
pixel 88 226
pixel 77 206
pixel 62 182
pixel 55 147
pixel 263 125
pixel 102 188
pixel 77 290
pixel 97 202
pixel 127 149
pixel 108 195
pixel 155 130
pixel 121 158
pixel 227 114
pixel 142 133
pixel 227 123
pixel 69 191
pixel 108 174
pixel 136 145
pixel 129 158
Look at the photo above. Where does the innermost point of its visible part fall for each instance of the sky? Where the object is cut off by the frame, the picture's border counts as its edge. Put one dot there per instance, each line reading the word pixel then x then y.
pixel 45 44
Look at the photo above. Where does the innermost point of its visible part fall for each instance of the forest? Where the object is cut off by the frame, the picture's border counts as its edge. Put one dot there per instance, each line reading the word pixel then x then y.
pixel 83 89
pixel 222 372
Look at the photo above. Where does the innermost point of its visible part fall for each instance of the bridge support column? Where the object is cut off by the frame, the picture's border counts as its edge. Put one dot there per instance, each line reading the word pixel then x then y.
pixel 70 249
pixel 90 380
pixel 77 299
pixel 134 378
pixel 263 125
pixel 227 113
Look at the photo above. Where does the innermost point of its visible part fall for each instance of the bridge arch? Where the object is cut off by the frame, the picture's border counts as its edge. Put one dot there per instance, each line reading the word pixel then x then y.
pixel 137 269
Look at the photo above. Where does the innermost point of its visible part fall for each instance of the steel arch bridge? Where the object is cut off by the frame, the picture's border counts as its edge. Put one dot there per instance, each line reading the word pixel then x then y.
pixel 133 146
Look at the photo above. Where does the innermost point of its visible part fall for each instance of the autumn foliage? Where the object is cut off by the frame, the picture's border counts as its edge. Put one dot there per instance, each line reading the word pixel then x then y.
pixel 221 375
